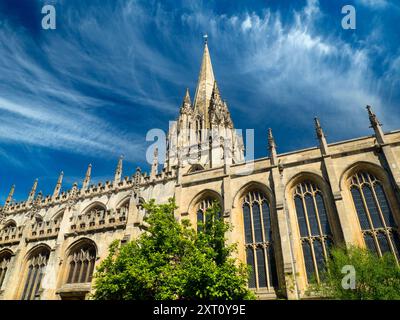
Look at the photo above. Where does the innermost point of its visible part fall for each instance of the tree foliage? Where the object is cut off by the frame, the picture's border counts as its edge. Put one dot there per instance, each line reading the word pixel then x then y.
pixel 376 278
pixel 173 261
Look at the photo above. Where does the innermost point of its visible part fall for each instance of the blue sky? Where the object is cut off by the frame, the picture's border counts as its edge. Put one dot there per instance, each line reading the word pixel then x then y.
pixel 90 90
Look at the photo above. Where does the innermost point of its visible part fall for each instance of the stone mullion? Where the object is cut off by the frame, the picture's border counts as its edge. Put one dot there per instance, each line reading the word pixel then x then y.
pixel 319 225
pixel 310 240
pixel 254 247
pixel 391 245
pixel 39 280
pixel 89 267
pixel 75 267
pixel 266 257
pixel 377 202
pixel 81 269
pixel 2 275
pixel 33 282
pixel 27 282
pixel 372 227
pixel 382 216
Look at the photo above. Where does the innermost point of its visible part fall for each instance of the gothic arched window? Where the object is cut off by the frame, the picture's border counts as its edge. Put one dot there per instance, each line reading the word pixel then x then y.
pixel 259 241
pixel 201 211
pixel 81 263
pixel 315 231
pixel 374 214
pixel 5 258
pixel 36 267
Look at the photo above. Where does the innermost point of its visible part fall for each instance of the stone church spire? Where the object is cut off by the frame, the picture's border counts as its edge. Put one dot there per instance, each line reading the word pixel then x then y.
pixel 203 133
pixel 205 84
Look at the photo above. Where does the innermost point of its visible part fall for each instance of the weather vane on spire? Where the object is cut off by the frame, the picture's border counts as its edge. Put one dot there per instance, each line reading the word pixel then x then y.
pixel 205 38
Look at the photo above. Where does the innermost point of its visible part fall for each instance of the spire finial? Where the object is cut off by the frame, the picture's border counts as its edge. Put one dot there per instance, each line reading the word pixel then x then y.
pixel 271 140
pixel 205 37
pixel 86 181
pixel 33 191
pixel 186 100
pixel 323 145
pixel 272 148
pixel 118 170
pixel 10 195
pixel 373 118
pixel 205 83
pixel 58 185
pixel 318 128
pixel 377 126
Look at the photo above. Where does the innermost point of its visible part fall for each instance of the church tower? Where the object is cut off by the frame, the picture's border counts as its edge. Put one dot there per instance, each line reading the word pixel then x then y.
pixel 203 136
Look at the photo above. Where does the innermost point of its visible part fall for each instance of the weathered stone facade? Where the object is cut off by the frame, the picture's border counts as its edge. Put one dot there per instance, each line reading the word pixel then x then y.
pixel 286 209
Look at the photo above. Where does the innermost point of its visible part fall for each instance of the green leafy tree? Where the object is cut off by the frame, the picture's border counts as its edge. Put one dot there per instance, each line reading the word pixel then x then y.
pixel 376 278
pixel 173 261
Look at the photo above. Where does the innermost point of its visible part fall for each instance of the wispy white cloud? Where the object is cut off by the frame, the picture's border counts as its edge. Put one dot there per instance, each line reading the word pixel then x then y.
pixel 292 68
pixel 377 4
pixel 55 93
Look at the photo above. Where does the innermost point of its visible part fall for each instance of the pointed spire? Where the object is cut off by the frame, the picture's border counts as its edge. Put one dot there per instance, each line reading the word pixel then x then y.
pixel 272 148
pixel 323 145
pixel 187 103
pixel 205 83
pixel 10 195
pixel 216 97
pixel 215 91
pixel 376 125
pixel 57 189
pixel 187 100
pixel 33 191
pixel 154 167
pixel 118 171
pixel 86 182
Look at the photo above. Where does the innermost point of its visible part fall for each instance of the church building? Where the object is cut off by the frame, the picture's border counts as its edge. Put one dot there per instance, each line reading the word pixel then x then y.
pixel 287 209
